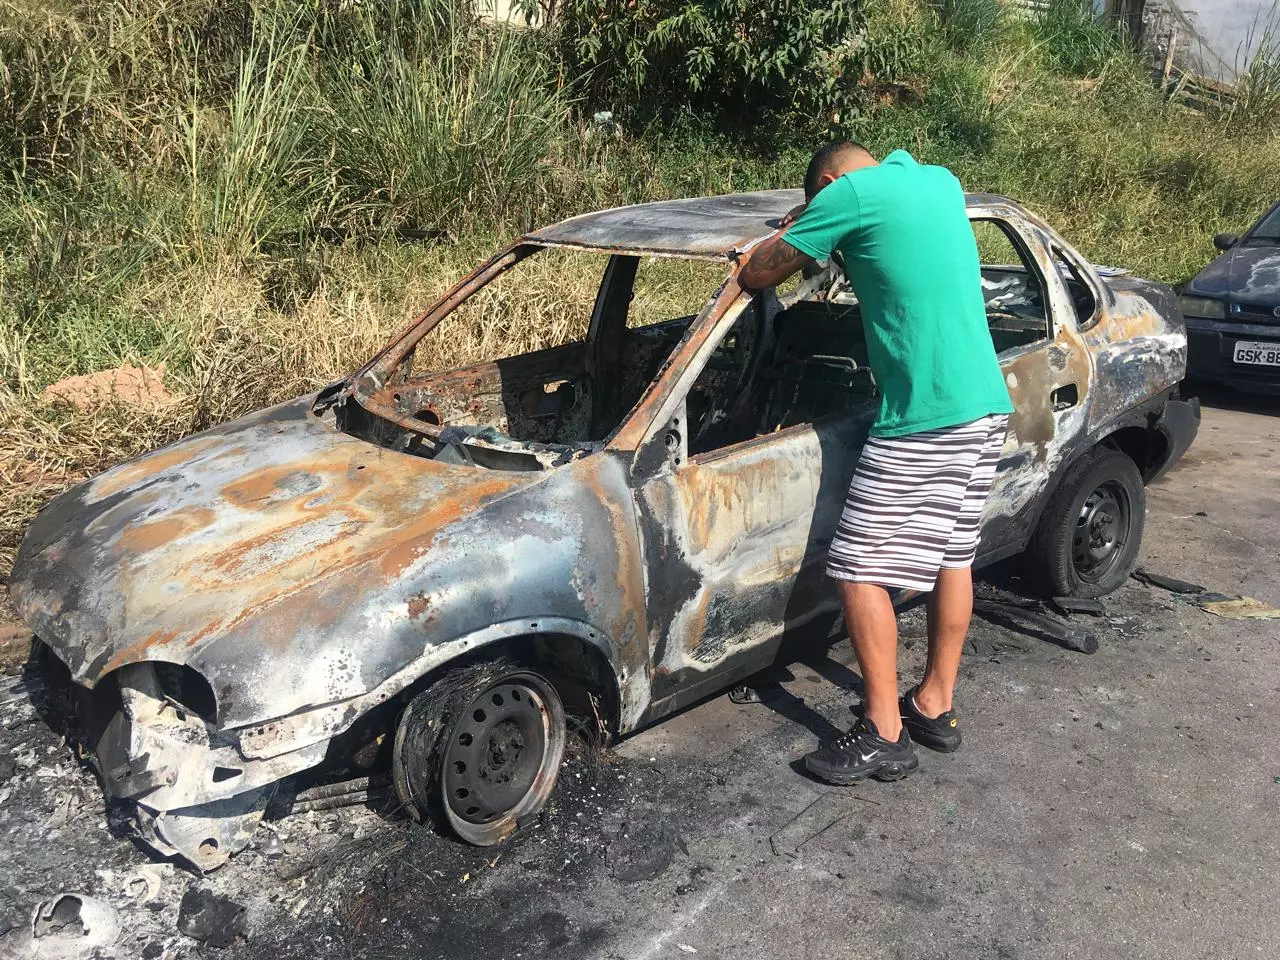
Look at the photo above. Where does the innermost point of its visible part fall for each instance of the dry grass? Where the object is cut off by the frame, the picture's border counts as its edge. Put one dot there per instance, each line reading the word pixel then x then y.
pixel 240 353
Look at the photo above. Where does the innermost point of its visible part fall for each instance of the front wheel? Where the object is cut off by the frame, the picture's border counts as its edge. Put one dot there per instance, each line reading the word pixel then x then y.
pixel 478 752
pixel 1089 535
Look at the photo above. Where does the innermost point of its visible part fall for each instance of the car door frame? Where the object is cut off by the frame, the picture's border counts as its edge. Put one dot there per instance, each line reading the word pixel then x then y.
pixel 660 470
pixel 1044 429
pixel 796 470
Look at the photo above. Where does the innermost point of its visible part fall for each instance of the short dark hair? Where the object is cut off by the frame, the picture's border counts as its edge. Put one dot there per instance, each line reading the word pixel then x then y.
pixel 826 159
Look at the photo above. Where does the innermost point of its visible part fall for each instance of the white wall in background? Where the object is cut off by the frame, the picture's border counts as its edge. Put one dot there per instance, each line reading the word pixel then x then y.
pixel 1217 38
pixel 503 11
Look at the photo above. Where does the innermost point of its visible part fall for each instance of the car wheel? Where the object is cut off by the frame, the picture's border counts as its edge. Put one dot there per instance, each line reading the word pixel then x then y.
pixel 1090 533
pixel 478 752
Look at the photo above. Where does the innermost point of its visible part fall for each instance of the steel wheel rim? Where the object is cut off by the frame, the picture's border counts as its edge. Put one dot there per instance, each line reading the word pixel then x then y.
pixel 1101 531
pixel 503 754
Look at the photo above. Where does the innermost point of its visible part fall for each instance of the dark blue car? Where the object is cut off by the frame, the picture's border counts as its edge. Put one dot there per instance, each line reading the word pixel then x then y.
pixel 1232 308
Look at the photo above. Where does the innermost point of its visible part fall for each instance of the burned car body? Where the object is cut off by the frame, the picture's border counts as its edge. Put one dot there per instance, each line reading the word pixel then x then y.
pixel 639 515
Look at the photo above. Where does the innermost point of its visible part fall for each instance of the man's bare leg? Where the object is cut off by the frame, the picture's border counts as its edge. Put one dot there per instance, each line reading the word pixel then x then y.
pixel 873 629
pixel 949 606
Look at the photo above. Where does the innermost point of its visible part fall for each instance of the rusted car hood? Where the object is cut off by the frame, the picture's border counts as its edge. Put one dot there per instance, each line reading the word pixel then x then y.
pixel 264 530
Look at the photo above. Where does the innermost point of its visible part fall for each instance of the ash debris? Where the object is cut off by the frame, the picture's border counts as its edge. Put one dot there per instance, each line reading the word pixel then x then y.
pixel 363 877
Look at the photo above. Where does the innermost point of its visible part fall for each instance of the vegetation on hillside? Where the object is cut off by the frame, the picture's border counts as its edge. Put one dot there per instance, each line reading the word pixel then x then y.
pixel 256 192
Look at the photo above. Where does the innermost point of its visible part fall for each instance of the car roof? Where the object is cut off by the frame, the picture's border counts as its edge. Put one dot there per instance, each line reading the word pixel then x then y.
pixel 702 227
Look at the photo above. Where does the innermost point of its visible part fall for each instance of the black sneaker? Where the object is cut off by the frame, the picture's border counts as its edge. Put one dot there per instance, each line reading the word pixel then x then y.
pixel 862 753
pixel 937 733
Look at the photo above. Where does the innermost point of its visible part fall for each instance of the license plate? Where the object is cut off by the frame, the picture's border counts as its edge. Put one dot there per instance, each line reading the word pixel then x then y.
pixel 1265 354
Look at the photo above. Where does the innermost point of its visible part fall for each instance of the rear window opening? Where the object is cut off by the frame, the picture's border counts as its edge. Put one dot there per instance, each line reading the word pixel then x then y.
pixel 1012 288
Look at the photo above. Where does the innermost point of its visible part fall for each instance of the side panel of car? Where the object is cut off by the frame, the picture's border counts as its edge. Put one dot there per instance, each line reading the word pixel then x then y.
pixel 566 548
pixel 562 558
pixel 1139 345
pixel 736 544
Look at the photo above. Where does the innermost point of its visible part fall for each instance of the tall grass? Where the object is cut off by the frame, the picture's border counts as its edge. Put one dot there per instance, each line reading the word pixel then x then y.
pixel 971 25
pixel 245 168
pixel 1081 42
pixel 429 128
pixel 1256 99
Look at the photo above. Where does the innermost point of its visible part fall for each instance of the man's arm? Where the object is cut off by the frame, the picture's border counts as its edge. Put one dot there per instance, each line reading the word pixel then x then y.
pixel 772 262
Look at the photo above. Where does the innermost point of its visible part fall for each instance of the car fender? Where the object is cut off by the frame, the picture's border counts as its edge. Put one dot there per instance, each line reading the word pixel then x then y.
pixel 291 733
pixel 1175 419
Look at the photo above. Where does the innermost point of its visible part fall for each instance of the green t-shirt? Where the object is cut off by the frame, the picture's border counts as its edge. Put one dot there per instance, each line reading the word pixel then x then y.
pixel 912 259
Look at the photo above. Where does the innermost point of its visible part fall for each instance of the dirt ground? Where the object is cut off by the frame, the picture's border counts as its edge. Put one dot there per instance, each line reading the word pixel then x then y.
pixel 1121 804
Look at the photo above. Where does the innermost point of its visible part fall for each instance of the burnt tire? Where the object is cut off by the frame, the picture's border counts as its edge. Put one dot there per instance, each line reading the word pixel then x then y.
pixel 477 753
pixel 1087 542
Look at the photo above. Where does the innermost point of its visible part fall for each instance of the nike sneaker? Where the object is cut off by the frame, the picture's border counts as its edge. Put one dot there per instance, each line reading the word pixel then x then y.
pixel 862 753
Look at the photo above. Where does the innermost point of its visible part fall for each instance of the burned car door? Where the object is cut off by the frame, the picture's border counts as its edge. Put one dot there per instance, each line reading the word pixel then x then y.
pixel 1046 364
pixel 738 519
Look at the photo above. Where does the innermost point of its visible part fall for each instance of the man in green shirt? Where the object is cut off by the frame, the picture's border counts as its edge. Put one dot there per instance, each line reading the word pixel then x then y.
pixel 913 513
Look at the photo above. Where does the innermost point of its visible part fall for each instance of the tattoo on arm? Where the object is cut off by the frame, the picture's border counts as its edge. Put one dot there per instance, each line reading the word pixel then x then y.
pixel 780 255
pixel 772 263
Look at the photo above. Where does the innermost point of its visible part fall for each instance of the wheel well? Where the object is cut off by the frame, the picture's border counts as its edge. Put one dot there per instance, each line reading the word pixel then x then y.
pixel 1147 447
pixel 583 677
pixel 580 672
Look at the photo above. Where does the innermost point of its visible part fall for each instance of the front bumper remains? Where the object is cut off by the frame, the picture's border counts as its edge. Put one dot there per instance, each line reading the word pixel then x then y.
pixel 195 793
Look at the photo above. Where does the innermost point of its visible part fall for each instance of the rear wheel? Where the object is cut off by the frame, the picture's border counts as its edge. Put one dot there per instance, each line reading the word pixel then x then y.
pixel 1089 536
pixel 478 752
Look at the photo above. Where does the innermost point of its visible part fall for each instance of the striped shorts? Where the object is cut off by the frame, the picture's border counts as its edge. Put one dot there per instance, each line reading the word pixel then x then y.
pixel 915 505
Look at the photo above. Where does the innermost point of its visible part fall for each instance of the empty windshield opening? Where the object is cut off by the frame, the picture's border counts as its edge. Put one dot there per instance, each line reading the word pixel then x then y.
pixel 553 352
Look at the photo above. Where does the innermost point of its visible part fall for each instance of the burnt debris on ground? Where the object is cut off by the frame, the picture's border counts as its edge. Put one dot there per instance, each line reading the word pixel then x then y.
pixel 1225 605
pixel 359 875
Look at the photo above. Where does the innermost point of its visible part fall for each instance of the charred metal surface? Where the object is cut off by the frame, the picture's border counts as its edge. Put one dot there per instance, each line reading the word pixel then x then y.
pixel 712 227
pixel 702 226
pixel 658 508
pixel 1140 347
pixel 278 547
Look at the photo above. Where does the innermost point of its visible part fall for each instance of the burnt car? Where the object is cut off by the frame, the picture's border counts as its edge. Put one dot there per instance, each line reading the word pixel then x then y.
pixel 455 563
pixel 1232 310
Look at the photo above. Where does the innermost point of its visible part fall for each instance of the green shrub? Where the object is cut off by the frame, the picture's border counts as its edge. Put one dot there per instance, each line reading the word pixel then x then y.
pixel 736 58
